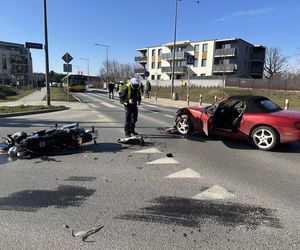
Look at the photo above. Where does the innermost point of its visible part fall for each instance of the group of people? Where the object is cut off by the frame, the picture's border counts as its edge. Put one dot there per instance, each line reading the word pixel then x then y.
pixel 112 87
pixel 130 95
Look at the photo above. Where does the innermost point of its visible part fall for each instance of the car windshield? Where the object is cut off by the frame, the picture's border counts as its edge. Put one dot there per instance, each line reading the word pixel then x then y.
pixel 269 105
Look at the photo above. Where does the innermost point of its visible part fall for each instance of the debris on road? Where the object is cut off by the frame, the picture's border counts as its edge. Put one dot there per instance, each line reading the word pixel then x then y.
pixel 85 234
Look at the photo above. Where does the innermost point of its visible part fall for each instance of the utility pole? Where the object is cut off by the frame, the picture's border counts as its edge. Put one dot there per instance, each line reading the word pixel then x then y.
pixel 174 49
pixel 106 46
pixel 46 54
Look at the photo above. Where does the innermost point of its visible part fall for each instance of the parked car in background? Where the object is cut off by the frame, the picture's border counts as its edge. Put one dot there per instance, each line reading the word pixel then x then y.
pixel 253 118
pixel 90 85
pixel 54 84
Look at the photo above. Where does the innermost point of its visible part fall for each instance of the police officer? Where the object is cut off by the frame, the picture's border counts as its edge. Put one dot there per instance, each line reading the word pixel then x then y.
pixel 120 87
pixel 131 97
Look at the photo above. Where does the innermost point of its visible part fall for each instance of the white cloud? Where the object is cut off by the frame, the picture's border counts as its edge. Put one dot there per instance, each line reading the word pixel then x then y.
pixel 244 13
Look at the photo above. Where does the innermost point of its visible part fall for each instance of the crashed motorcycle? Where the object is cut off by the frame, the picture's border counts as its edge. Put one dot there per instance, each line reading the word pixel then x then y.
pixel 25 145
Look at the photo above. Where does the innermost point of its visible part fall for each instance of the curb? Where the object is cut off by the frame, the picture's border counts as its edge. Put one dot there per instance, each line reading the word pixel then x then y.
pixel 32 112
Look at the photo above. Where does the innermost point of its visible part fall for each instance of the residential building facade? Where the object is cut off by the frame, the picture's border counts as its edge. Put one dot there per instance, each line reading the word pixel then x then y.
pixel 224 57
pixel 15 63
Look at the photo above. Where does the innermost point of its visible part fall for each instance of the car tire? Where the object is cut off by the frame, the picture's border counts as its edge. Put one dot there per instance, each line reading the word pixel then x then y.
pixel 184 125
pixel 264 138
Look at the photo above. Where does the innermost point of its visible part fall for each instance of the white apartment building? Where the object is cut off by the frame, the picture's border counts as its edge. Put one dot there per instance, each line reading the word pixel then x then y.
pixel 230 57
pixel 15 63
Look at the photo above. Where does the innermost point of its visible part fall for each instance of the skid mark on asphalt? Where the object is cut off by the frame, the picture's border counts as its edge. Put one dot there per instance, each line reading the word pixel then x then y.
pixel 194 213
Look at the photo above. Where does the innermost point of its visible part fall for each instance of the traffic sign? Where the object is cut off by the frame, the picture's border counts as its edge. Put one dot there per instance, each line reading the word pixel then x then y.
pixel 190 59
pixel 67 58
pixel 30 45
pixel 67 67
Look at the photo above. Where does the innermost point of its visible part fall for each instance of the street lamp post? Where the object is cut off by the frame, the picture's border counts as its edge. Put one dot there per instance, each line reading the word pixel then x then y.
pixel 88 68
pixel 106 46
pixel 174 49
pixel 46 54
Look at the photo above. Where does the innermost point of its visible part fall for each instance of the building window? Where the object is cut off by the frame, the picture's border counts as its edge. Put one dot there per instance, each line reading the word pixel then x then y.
pixel 159 52
pixel 4 64
pixel 159 65
pixel 153 52
pixel 196 63
pixel 152 77
pixel 153 65
pixel 202 75
pixel 158 77
pixel 204 47
pixel 226 61
pixel 203 63
pixel 226 46
pixel 196 48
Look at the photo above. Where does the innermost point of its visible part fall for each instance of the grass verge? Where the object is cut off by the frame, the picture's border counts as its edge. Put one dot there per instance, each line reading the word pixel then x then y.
pixel 27 108
pixel 10 94
pixel 58 94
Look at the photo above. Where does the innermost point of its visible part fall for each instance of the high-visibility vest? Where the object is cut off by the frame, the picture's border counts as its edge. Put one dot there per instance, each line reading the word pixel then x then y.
pixel 129 90
pixel 120 87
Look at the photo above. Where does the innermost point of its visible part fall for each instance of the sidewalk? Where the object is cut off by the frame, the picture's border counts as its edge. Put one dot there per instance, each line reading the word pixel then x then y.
pixel 36 98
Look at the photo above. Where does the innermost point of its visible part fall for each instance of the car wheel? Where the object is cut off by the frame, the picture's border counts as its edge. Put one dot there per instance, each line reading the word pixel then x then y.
pixel 184 125
pixel 264 138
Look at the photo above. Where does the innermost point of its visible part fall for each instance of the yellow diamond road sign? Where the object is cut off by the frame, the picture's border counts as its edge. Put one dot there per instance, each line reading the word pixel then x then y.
pixel 67 58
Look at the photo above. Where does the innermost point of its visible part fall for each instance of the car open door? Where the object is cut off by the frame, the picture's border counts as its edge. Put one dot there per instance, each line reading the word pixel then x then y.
pixel 207 118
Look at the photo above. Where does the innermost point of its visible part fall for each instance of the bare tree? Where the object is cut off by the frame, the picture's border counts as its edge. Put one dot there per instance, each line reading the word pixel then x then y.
pixel 117 71
pixel 275 64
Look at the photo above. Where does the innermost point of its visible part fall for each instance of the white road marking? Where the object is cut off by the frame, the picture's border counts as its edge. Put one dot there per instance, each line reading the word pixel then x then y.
pixel 102 102
pixel 148 151
pixel 186 173
pixel 93 105
pixel 171 116
pixel 165 160
pixel 214 193
pixel 108 104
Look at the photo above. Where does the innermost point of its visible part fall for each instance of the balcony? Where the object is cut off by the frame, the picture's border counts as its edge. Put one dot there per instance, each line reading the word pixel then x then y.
pixel 140 59
pixel 139 70
pixel 226 52
pixel 228 68
pixel 180 55
pixel 177 70
pixel 257 58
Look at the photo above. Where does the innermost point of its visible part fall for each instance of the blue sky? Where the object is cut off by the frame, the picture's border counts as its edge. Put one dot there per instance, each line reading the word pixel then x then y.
pixel 75 26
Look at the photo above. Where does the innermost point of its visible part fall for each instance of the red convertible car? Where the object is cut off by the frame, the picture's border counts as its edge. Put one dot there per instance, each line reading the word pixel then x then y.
pixel 254 118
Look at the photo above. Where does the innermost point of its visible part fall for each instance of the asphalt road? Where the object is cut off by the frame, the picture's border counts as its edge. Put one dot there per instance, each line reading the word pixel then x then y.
pixel 212 194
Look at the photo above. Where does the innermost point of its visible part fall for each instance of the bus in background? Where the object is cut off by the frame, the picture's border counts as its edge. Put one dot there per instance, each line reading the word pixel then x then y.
pixel 74 83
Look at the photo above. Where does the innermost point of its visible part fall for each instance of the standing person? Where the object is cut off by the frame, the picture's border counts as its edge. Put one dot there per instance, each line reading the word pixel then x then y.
pixel 131 98
pixel 148 89
pixel 111 87
pixel 142 89
pixel 120 87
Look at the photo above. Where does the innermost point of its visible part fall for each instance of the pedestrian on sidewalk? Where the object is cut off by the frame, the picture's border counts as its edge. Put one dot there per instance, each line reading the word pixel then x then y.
pixel 148 89
pixel 111 87
pixel 131 98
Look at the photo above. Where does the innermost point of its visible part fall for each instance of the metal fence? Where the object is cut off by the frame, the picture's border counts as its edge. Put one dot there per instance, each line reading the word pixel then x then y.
pixel 270 84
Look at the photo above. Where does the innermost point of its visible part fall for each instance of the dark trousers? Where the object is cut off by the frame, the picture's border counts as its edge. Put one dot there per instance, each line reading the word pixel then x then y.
pixel 111 94
pixel 131 115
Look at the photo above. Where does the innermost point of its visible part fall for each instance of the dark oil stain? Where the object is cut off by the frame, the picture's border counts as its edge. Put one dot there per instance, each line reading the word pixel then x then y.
pixel 81 178
pixel 193 213
pixel 33 200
